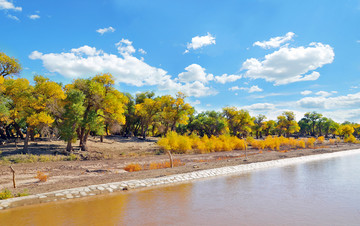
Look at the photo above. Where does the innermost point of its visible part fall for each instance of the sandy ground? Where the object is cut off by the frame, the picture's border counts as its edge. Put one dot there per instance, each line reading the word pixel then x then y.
pixel 105 161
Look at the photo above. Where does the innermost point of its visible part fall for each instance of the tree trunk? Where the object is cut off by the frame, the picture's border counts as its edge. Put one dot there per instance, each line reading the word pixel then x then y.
pixel 18 131
pixel 32 134
pixel 102 138
pixel 69 147
pixel 171 159
pixel 84 146
pixel 26 141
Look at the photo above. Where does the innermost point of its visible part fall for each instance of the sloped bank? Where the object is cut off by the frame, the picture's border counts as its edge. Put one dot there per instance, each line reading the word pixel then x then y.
pixel 185 177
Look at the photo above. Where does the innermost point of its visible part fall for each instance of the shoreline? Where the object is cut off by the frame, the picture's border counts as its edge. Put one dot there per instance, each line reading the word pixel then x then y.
pixel 196 174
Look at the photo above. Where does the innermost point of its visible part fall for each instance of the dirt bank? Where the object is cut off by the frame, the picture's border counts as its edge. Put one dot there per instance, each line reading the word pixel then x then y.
pixel 107 160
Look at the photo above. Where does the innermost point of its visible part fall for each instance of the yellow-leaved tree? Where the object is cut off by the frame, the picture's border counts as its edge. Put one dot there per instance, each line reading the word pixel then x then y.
pixel 174 111
pixel 8 65
pixel 287 124
pixel 102 104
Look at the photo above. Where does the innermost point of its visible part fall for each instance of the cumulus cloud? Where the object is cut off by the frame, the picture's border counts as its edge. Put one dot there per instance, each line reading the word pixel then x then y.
pixel 255 89
pixel 260 107
pixel 306 92
pixel 34 17
pixel 196 88
pixel 195 72
pixel 252 89
pixel 225 78
pixel 323 93
pixel 200 41
pixel 6 5
pixel 86 61
pixel 288 65
pixel 125 47
pixel 105 30
pixel 275 42
pixel 322 102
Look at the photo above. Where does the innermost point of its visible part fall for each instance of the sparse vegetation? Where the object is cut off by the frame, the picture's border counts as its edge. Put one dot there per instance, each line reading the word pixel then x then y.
pixel 41 176
pixel 29 158
pixel 6 194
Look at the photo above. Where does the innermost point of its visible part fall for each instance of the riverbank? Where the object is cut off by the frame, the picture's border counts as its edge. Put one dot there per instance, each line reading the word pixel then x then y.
pixel 99 176
pixel 149 182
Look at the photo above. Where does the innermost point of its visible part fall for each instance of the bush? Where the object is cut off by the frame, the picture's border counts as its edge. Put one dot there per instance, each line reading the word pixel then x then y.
pixel 132 167
pixel 41 176
pixel 5 194
pixel 350 139
pixel 310 142
pixel 320 140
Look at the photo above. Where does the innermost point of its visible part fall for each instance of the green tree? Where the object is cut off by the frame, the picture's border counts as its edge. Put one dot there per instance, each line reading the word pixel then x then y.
pixel 72 117
pixel 269 127
pixel 103 103
pixel 208 123
pixel 314 119
pixel 259 125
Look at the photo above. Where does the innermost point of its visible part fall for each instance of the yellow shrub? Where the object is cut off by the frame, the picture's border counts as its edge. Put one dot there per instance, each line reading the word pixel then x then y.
pixel 249 140
pixel 238 144
pixel 132 167
pixel 332 141
pixel 320 140
pixel 164 143
pixel 183 144
pixel 350 139
pixel 301 143
pixel 310 142
pixel 41 176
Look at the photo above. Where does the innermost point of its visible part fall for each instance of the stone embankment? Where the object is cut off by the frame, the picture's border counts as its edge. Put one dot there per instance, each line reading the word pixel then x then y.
pixel 186 177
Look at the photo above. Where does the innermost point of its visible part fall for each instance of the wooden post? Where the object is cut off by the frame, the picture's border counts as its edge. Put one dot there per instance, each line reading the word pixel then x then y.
pixel 13 171
pixel 171 159
pixel 245 151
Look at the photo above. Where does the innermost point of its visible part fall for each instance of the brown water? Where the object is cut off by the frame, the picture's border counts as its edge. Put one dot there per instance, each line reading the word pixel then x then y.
pixel 323 192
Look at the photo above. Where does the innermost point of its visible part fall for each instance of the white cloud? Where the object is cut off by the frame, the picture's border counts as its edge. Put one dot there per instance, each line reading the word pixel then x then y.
pixel 252 89
pixel 227 78
pixel 196 89
pixel 196 102
pixel 13 17
pixel 323 93
pixel 86 60
pixel 195 72
pixel 4 4
pixel 105 30
pixel 125 47
pixel 260 107
pixel 34 17
pixel 200 41
pixel 339 102
pixel 306 92
pixel 255 89
pixel 275 42
pixel 288 65
pixel 358 41
pixel 142 51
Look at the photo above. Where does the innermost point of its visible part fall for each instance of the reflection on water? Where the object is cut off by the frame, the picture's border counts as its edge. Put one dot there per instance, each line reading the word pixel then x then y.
pixel 316 193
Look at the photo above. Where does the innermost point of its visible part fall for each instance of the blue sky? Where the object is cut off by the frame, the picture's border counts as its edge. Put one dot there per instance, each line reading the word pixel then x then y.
pixel 265 56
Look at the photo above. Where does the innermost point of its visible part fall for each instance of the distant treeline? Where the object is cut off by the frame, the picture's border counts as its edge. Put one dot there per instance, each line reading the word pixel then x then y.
pixel 94 107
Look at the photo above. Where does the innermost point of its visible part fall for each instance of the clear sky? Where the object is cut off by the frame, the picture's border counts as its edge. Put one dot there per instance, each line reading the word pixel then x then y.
pixel 265 56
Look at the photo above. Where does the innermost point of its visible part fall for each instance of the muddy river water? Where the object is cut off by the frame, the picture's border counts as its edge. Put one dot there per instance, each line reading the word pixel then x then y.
pixel 325 192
